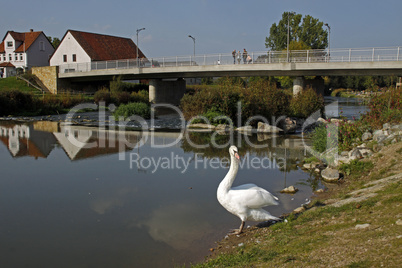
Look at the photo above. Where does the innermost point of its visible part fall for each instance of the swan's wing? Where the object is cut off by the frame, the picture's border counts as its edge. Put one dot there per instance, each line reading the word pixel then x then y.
pixel 252 196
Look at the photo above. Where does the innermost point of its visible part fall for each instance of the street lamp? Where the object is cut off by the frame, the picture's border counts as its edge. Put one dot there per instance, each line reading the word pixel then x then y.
pixel 329 39
pixel 138 30
pixel 194 43
pixel 289 13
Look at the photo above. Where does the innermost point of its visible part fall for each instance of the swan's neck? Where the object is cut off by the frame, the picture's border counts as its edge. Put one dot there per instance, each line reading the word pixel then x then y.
pixel 227 182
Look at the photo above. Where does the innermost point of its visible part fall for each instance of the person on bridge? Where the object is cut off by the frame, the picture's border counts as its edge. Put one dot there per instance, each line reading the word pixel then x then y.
pixel 244 56
pixel 234 56
pixel 239 57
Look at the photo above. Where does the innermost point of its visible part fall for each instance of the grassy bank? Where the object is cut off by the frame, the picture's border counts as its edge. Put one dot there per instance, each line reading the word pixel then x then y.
pixel 351 225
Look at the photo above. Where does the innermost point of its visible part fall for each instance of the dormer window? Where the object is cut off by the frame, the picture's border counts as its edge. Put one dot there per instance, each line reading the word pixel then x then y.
pixel 10 44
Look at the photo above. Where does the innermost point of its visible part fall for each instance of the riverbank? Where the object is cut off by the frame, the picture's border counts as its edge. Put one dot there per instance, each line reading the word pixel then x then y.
pixel 355 223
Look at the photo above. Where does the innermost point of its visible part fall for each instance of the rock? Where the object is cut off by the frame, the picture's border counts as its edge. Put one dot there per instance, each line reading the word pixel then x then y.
pixel 330 175
pixel 299 210
pixel 319 191
pixel 367 136
pixel 245 129
pixel 322 120
pixel 355 154
pixel 266 128
pixel 377 147
pixel 288 125
pixel 398 222
pixel 223 127
pixel 366 152
pixel 362 226
pixel 386 126
pixel 203 126
pixel 290 190
pixel 380 138
pixel 344 153
pixel 378 132
pixel 309 165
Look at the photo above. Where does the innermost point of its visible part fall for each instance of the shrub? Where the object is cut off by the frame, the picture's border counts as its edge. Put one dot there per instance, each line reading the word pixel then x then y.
pixel 13 101
pixel 120 97
pixel 384 108
pixel 134 108
pixel 102 95
pixel 140 96
pixel 306 103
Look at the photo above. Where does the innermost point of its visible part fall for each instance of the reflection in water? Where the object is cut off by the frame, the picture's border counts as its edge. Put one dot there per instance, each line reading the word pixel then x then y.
pixel 99 211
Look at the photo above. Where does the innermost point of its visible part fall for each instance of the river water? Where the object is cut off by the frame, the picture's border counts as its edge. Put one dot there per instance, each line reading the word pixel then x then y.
pixel 79 196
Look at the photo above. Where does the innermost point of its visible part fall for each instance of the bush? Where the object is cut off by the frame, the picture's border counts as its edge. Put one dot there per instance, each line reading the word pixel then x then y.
pixel 102 95
pixel 140 96
pixel 306 103
pixel 134 108
pixel 120 97
pixel 13 101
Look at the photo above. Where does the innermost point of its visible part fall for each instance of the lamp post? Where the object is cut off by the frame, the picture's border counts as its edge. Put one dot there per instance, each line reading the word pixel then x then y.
pixel 287 54
pixel 138 30
pixel 194 43
pixel 329 40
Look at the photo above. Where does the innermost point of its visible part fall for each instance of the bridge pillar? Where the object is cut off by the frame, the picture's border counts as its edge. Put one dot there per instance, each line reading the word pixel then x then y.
pixel 298 84
pixel 166 91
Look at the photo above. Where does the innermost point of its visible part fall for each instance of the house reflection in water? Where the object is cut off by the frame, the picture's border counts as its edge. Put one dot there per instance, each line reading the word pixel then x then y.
pixel 23 140
pixel 38 140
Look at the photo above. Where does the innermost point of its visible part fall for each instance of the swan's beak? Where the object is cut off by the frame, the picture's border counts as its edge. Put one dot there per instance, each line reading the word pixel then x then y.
pixel 237 155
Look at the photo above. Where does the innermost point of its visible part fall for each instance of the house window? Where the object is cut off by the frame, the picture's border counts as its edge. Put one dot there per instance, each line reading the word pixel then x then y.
pixel 10 44
pixel 10 58
pixel 64 58
pixel 16 57
pixel 42 46
pixel 74 57
pixel 21 57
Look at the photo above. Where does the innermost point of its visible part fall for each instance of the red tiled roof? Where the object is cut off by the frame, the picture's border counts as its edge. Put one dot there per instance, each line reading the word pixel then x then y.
pixel 28 38
pixel 6 64
pixel 105 47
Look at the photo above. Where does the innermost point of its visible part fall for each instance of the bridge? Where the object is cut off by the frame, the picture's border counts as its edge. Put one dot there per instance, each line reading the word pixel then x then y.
pixel 298 63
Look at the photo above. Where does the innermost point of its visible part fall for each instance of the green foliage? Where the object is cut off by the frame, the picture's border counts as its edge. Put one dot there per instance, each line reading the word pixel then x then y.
pixel 309 31
pixel 134 108
pixel 214 117
pixel 306 103
pixel 356 167
pixel 325 137
pixel 384 108
pixel 102 95
pixel 13 101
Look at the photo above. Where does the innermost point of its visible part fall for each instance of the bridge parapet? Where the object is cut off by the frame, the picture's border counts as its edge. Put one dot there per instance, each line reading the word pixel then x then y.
pixel 264 57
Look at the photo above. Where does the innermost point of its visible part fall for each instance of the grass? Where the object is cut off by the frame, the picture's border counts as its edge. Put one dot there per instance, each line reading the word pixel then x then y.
pixel 13 83
pixel 326 236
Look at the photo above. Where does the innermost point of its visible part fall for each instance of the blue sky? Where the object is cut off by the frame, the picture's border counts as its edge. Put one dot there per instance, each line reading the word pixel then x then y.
pixel 219 26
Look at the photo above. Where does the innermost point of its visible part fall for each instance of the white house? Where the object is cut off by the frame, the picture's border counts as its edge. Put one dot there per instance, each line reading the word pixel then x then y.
pixel 80 50
pixel 24 50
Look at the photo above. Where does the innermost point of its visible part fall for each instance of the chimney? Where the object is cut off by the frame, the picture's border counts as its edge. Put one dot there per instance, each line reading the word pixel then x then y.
pixel 31 30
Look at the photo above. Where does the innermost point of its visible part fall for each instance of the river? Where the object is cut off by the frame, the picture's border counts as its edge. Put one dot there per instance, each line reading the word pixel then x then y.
pixel 79 196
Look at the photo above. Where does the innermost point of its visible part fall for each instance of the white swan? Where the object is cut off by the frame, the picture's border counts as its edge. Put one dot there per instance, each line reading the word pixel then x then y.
pixel 245 201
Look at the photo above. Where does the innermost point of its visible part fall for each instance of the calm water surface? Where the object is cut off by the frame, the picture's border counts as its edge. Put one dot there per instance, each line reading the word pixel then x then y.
pixel 67 205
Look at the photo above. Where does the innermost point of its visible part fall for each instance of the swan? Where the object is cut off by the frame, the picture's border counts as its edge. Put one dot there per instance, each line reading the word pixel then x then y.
pixel 245 201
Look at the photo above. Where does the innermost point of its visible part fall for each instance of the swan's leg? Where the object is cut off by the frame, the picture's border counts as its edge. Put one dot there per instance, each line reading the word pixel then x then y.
pixel 240 228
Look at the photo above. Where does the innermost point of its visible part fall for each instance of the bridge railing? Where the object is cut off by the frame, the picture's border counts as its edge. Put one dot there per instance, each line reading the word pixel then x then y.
pixel 264 57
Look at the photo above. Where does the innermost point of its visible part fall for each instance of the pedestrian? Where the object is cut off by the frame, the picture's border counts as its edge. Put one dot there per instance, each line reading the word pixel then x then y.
pixel 234 56
pixel 238 57
pixel 249 60
pixel 244 55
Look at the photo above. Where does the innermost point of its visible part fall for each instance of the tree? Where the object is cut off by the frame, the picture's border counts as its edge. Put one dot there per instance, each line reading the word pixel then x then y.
pixel 54 41
pixel 307 30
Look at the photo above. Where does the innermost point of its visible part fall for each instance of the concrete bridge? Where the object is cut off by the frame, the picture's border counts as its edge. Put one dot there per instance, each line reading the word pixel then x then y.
pixel 166 73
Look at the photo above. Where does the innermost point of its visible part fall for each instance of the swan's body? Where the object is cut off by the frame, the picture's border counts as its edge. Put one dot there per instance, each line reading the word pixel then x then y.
pixel 245 201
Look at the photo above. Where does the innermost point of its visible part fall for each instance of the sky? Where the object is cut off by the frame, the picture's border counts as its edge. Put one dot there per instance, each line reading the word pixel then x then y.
pixel 219 26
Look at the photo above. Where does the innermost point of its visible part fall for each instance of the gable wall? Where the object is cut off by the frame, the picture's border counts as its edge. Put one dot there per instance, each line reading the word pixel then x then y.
pixel 69 46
